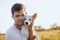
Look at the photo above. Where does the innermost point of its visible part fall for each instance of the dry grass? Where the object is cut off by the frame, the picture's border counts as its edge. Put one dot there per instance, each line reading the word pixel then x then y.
pixel 43 35
pixel 49 35
pixel 2 36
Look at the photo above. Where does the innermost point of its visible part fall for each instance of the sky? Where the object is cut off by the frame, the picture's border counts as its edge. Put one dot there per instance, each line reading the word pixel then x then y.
pixel 48 12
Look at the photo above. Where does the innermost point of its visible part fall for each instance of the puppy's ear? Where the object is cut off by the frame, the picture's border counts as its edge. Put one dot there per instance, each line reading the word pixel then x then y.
pixel 34 16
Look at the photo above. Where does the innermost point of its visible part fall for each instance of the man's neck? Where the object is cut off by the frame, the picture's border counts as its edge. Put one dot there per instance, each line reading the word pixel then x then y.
pixel 18 26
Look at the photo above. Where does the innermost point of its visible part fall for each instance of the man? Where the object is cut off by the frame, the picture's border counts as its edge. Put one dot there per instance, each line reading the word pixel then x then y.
pixel 14 33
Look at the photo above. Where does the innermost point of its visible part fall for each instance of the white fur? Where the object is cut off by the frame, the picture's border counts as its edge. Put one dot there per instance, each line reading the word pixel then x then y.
pixel 27 20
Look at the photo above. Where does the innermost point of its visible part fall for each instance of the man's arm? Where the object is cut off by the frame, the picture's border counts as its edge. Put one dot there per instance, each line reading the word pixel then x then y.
pixel 31 37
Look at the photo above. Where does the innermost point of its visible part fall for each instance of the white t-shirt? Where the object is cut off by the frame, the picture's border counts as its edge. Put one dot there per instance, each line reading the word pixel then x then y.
pixel 14 34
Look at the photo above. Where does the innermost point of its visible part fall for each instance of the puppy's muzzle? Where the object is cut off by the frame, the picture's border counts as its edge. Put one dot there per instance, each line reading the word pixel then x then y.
pixel 26 23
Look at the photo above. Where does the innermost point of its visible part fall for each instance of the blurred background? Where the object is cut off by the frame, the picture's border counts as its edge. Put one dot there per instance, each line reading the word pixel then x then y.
pixel 47 23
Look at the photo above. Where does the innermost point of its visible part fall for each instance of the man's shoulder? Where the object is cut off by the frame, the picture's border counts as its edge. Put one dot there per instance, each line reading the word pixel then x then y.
pixel 10 30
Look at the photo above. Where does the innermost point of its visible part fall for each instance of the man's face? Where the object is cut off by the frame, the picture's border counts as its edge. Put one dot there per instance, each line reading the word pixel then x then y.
pixel 18 17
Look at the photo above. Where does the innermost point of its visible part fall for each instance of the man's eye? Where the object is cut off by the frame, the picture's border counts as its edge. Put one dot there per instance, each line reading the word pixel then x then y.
pixel 29 19
pixel 17 15
pixel 22 14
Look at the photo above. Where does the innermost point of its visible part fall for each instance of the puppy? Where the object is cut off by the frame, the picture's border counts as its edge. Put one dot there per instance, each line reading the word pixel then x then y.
pixel 27 22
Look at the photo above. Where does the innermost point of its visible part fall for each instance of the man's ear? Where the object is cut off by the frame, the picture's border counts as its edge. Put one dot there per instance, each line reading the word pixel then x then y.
pixel 34 16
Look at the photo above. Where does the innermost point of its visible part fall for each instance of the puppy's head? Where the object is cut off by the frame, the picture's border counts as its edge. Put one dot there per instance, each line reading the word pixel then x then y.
pixel 29 19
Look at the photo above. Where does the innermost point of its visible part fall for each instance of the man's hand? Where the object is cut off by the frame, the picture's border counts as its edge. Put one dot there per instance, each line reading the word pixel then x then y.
pixel 30 26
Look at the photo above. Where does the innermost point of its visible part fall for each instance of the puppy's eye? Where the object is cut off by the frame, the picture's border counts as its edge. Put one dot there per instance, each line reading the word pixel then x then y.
pixel 25 18
pixel 29 19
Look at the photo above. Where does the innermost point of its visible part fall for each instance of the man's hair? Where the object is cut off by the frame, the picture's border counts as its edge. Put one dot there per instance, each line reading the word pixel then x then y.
pixel 16 7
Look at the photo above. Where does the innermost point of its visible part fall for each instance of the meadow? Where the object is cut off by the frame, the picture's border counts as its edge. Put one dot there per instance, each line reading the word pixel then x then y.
pixel 43 35
pixel 49 35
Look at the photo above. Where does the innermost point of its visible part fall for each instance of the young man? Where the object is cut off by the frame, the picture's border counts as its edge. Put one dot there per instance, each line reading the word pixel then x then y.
pixel 14 33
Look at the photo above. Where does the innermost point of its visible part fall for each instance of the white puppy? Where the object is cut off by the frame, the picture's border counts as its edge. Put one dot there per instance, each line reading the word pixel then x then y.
pixel 27 22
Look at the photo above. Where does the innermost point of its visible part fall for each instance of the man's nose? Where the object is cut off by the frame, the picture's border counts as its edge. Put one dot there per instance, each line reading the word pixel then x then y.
pixel 20 17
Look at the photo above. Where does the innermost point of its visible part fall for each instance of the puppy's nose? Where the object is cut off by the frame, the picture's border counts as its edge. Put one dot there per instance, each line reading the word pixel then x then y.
pixel 26 23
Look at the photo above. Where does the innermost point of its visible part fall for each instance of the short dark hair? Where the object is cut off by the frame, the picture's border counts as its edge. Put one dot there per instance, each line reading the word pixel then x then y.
pixel 16 7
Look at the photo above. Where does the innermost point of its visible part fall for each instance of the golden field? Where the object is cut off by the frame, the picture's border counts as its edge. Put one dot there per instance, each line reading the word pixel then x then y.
pixel 43 35
pixel 2 36
pixel 49 35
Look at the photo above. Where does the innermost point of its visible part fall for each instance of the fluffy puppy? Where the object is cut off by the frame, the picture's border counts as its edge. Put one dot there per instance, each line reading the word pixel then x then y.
pixel 27 22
